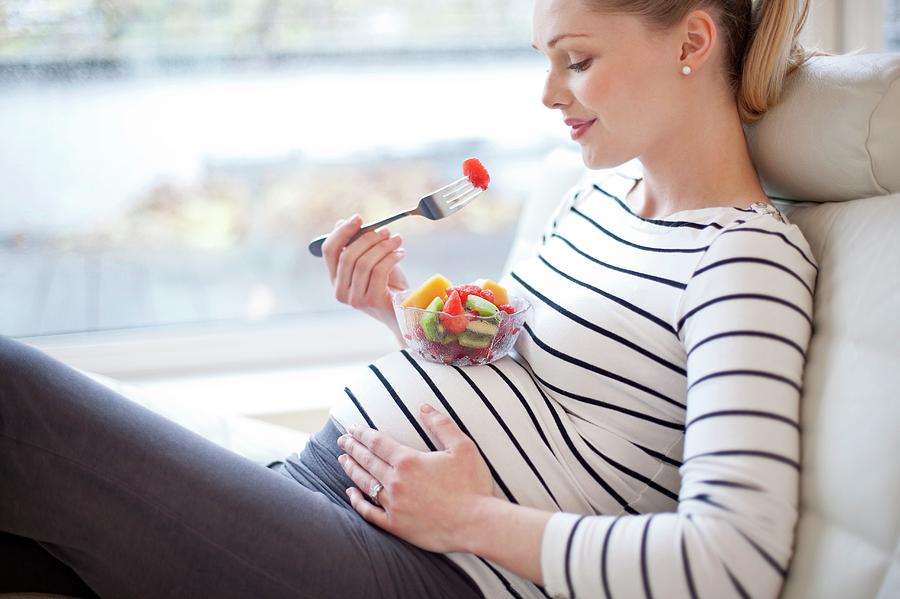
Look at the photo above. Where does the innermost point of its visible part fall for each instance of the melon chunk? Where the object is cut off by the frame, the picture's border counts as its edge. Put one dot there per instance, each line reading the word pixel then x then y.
pixel 434 287
pixel 499 292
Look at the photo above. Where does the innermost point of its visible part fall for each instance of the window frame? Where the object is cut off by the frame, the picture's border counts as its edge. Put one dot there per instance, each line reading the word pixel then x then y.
pixel 846 26
pixel 863 26
pixel 337 337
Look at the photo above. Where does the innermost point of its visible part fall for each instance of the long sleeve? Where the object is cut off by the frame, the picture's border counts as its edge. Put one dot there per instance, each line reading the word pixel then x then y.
pixel 745 320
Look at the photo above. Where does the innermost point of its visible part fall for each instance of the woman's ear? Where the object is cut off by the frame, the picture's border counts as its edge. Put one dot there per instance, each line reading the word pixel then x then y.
pixel 699 35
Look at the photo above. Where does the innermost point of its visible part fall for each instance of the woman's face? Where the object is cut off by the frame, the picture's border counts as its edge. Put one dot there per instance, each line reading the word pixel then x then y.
pixel 617 83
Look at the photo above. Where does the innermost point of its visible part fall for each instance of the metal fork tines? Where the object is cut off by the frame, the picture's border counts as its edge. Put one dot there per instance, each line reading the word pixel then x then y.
pixel 447 199
pixel 438 204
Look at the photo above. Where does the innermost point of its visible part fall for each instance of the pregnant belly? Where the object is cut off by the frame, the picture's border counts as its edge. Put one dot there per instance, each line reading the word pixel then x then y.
pixel 387 396
pixel 497 406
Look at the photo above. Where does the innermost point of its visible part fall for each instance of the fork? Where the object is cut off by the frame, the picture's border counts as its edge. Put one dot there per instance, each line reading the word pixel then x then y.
pixel 436 205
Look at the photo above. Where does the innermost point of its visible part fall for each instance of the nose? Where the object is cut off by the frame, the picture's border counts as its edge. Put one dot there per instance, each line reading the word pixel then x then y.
pixel 556 94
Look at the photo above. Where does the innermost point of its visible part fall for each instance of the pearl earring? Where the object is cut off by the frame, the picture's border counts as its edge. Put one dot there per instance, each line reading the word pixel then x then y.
pixel 686 70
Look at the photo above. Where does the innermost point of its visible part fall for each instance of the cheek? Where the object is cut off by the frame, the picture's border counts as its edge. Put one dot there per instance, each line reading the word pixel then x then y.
pixel 619 102
pixel 594 91
pixel 613 94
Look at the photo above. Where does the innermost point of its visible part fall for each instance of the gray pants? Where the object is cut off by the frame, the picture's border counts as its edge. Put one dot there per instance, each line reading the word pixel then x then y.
pixel 101 496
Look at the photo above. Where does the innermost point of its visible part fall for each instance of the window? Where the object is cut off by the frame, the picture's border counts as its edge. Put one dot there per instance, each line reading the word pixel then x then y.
pixel 166 163
pixel 892 25
pixel 857 26
pixel 862 25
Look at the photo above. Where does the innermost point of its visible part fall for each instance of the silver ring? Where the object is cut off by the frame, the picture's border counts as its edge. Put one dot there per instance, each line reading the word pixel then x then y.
pixel 373 493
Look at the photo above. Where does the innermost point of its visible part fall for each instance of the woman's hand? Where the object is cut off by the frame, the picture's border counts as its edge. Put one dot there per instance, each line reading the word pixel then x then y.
pixel 429 498
pixel 365 272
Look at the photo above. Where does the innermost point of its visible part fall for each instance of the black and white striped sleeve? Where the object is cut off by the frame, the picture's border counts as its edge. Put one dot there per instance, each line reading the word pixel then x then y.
pixel 745 321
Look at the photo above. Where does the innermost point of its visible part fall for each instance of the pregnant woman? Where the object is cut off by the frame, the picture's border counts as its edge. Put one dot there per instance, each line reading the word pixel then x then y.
pixel 642 440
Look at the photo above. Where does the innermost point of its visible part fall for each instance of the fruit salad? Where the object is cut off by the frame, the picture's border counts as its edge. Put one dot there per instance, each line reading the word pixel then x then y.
pixel 460 325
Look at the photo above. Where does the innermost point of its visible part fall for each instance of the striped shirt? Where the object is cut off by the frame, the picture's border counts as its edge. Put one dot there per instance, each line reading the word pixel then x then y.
pixel 651 401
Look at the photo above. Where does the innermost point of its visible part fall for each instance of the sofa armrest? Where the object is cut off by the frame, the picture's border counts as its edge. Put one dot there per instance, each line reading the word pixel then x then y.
pixel 560 170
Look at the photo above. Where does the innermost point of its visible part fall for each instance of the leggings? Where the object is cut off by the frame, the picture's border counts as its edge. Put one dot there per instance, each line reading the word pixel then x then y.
pixel 102 497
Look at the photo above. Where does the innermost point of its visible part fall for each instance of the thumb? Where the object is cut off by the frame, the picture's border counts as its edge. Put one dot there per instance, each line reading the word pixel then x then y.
pixel 443 427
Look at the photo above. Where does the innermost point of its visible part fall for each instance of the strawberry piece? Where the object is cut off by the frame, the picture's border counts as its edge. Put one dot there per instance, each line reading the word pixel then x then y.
pixel 453 307
pixel 507 308
pixel 477 174
pixel 464 291
pixel 488 295
pixel 455 324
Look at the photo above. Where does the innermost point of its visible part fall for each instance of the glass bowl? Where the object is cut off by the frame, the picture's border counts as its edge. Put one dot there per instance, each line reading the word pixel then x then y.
pixel 485 340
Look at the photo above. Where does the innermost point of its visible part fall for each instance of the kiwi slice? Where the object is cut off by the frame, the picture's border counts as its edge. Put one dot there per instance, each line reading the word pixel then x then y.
pixel 480 305
pixel 474 340
pixel 445 337
pixel 430 323
pixel 482 327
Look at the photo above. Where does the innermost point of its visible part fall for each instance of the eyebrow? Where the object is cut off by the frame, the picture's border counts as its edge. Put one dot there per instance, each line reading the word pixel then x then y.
pixel 558 38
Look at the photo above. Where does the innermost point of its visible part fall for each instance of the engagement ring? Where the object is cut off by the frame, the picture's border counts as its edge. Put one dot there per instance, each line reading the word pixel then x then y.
pixel 373 493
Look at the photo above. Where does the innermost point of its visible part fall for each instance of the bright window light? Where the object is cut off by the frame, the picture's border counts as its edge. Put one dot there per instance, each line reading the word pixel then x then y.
pixel 166 163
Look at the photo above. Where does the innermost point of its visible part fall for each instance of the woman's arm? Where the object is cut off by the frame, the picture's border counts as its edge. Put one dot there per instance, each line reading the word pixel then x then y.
pixel 745 323
pixel 507 534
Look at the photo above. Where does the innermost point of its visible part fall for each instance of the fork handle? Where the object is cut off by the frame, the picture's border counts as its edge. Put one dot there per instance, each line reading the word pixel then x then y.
pixel 315 246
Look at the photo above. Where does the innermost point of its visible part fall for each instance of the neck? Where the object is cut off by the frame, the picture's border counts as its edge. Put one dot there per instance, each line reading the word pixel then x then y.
pixel 703 163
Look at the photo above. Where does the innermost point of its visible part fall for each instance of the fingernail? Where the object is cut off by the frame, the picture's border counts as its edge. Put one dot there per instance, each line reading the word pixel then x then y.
pixel 349 492
pixel 396 237
pixel 357 218
pixel 384 233
pixel 354 429
pixel 342 458
pixel 426 408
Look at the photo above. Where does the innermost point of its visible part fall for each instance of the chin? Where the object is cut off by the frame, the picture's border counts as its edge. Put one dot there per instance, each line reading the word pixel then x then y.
pixel 596 161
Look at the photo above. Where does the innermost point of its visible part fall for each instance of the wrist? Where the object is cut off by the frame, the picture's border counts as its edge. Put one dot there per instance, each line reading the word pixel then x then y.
pixel 477 529
pixel 507 534
pixel 390 321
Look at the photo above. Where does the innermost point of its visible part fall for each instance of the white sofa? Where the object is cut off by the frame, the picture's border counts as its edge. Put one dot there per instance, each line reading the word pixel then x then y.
pixel 834 138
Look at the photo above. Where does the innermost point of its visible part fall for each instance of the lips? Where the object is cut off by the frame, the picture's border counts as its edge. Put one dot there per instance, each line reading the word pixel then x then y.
pixel 579 126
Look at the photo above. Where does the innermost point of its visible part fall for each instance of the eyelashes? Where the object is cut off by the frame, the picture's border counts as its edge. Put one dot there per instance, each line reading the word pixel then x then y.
pixel 579 67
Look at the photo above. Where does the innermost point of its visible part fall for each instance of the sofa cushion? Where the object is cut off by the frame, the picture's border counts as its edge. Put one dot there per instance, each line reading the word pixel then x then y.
pixel 835 133
pixel 848 537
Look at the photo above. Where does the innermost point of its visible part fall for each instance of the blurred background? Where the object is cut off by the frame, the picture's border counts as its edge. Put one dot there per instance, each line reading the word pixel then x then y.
pixel 164 163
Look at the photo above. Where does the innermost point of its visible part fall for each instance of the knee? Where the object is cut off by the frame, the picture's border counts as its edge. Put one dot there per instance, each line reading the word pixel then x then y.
pixel 13 357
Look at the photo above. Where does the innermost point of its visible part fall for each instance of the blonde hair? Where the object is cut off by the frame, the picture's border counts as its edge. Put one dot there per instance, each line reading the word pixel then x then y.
pixel 760 38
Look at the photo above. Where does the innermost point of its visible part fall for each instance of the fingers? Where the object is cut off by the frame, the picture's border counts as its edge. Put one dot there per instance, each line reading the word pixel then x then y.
pixel 444 428
pixel 360 477
pixel 381 275
pixel 381 446
pixel 355 264
pixel 337 239
pixel 379 256
pixel 360 271
pixel 366 458
pixel 369 511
